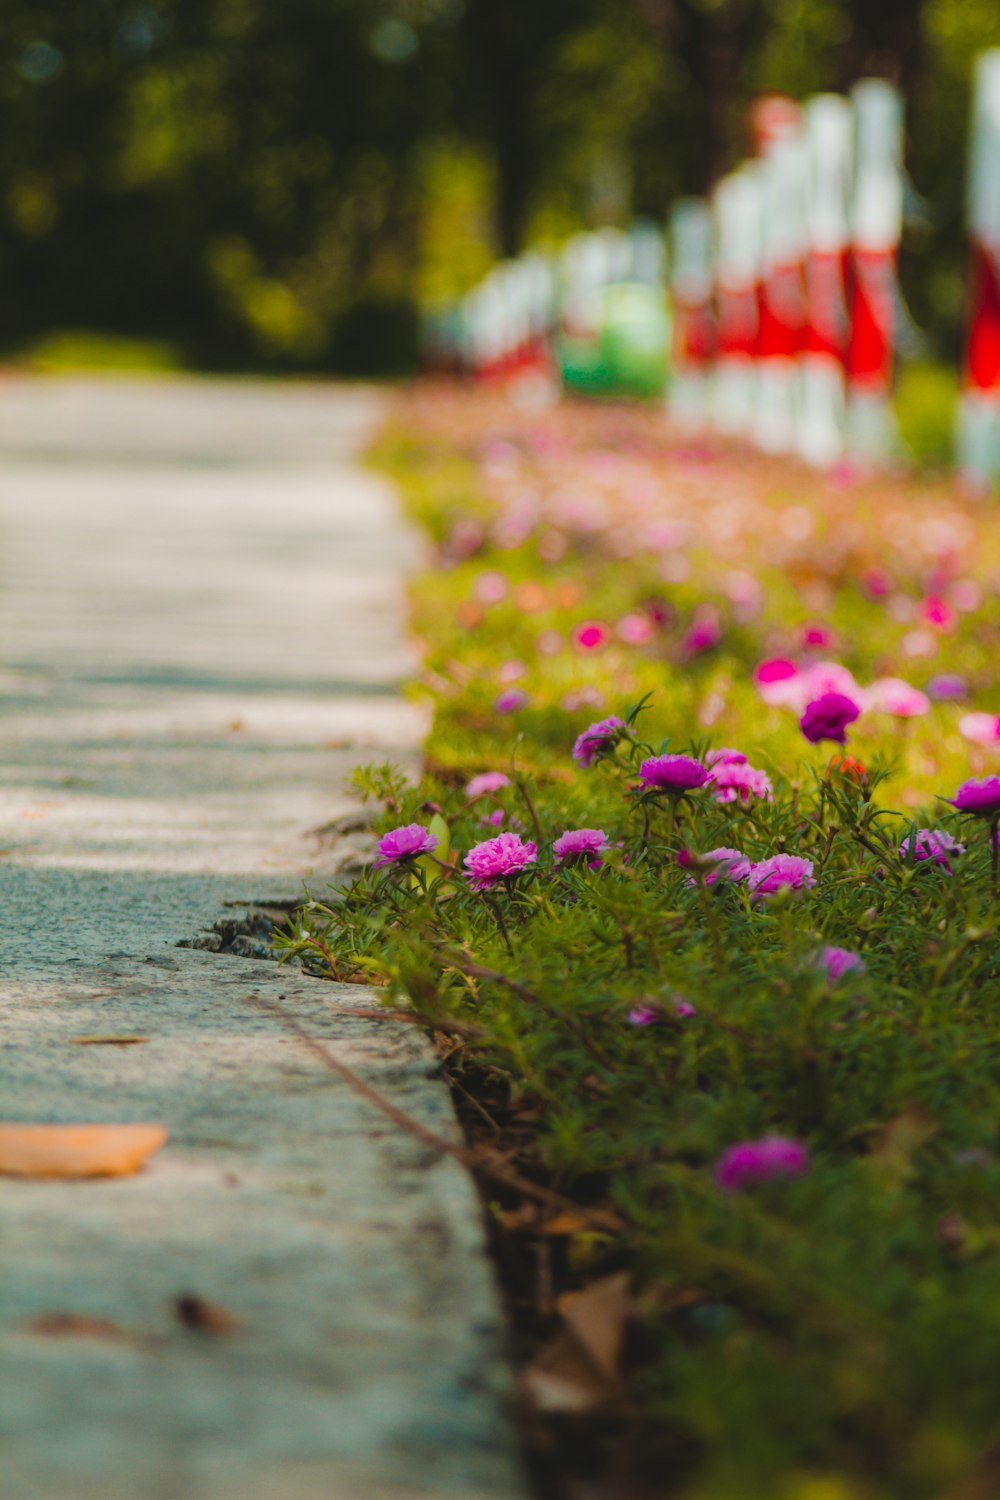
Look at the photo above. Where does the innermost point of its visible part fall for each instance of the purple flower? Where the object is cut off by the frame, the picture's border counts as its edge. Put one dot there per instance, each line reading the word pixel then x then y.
pixel 780 870
pixel 732 780
pixel 510 701
pixel 673 773
pixel 684 1010
pixel 979 797
pixel 947 687
pixel 749 1163
pixel 598 739
pixel 931 843
pixel 590 843
pixel 725 864
pixel 486 781
pixel 497 859
pixel 725 756
pixel 645 1015
pixel 405 843
pixel 839 961
pixel 827 718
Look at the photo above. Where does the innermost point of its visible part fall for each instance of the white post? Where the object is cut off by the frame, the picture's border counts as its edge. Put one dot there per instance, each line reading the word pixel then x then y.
pixel 782 304
pixel 736 206
pixel 979 410
pixel 691 288
pixel 822 411
pixel 876 220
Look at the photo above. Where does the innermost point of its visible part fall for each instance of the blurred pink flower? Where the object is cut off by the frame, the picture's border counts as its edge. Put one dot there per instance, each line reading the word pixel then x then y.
pixel 549 643
pixel 723 863
pixel 981 729
pixel 732 780
pixel 725 756
pixel 781 870
pixel 817 637
pixel 405 843
pixel 891 695
pixel 778 681
pixel 839 961
pixel 486 781
pixel 635 629
pixel 510 701
pixel 498 859
pixel 749 1163
pixel 491 587
pixel 702 634
pixel 590 843
pixel 938 612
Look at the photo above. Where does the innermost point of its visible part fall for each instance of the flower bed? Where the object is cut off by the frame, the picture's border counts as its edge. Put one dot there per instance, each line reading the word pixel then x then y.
pixel 700 889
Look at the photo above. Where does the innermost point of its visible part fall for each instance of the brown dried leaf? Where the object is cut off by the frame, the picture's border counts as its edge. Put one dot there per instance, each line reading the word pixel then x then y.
pixel 597 1317
pixel 204 1316
pixel 563 1378
pixel 74 1325
pixel 107 1041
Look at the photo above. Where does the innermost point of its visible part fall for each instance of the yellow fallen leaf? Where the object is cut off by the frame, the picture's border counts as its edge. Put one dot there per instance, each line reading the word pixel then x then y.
pixel 107 1041
pixel 35 1150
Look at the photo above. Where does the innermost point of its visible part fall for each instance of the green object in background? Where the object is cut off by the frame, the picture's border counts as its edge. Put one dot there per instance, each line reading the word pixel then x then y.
pixel 629 354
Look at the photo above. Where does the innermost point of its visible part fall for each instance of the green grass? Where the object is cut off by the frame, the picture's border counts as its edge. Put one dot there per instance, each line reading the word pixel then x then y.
pixel 829 1336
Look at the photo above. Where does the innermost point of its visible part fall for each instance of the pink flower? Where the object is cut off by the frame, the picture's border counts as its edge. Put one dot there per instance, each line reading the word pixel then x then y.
pixel 645 1015
pixel 702 635
pixel 725 757
pixel 981 729
pixel 598 739
pixel 931 843
pixel 510 701
pixel 817 637
pixel 486 781
pixel 405 843
pixel 780 870
pixel 778 682
pixel 673 773
pixel 511 671
pixel 838 961
pixel 491 587
pixel 827 718
pixel 891 695
pixel 725 864
pixel 635 629
pixel 498 859
pixel 979 797
pixel 732 780
pixel 591 635
pixel 590 843
pixel 938 612
pixel 684 1010
pixel 749 1163
pixel 947 686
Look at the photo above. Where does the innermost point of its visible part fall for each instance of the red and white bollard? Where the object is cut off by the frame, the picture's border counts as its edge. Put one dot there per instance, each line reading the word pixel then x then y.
pixel 694 330
pixel 736 206
pixel 876 221
pixel 822 397
pixel 979 409
pixel 782 303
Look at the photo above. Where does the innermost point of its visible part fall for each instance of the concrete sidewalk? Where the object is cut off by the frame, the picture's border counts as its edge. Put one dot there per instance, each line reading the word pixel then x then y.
pixel 201 634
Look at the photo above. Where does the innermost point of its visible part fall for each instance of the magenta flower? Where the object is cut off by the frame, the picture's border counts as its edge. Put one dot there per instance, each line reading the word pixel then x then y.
pixel 598 739
pixel 498 859
pixel 839 961
pixel 645 1015
pixel 722 863
pixel 981 798
pixel 749 1163
pixel 405 843
pixel 591 635
pixel 588 843
pixel 779 871
pixel 486 781
pixel 673 773
pixel 510 701
pixel 931 843
pixel 702 635
pixel 684 1010
pixel 817 637
pixel 732 780
pixel 827 718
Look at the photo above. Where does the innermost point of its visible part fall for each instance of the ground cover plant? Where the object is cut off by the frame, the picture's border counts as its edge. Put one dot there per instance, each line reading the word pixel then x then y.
pixel 699 894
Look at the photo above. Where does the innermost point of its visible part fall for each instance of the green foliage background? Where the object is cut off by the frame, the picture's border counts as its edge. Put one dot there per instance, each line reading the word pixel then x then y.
pixel 282 185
